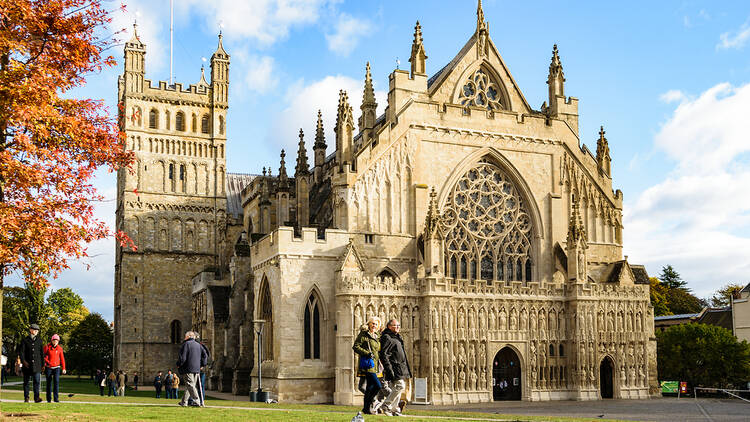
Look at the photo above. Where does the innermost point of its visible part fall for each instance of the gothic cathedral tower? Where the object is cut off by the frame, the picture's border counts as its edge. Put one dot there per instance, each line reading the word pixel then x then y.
pixel 171 202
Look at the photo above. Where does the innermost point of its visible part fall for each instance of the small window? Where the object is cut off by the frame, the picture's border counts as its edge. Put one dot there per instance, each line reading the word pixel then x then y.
pixel 180 121
pixel 171 171
pixel 153 119
pixel 552 350
pixel 369 238
pixel 136 280
pixel 195 123
pixel 204 123
pixel 562 350
pixel 174 331
pixel 182 172
pixel 167 120
pixel 221 125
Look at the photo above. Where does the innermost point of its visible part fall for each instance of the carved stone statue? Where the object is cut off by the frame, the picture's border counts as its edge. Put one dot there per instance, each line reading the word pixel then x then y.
pixel 503 320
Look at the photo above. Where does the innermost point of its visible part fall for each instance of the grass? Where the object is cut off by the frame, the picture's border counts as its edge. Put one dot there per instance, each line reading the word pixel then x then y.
pixel 142 405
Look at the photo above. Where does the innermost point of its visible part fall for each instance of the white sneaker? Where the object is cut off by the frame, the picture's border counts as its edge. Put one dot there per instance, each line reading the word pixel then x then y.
pixel 387 413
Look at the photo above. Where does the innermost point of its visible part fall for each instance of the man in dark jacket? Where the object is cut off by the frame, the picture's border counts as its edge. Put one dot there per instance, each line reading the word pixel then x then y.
pixel 32 360
pixel 395 366
pixel 192 357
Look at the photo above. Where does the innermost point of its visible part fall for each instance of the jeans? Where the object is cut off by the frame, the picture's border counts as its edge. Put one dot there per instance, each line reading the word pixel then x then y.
pixel 53 384
pixel 112 389
pixel 37 379
pixel 158 392
pixel 373 386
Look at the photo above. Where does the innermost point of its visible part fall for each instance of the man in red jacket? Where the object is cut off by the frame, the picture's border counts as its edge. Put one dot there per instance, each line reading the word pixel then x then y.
pixel 54 361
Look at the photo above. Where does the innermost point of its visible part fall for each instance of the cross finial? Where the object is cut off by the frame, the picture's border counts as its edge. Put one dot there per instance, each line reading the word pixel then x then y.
pixel 601 132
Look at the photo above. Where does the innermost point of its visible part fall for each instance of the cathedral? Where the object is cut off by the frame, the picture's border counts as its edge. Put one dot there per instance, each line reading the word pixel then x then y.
pixel 482 224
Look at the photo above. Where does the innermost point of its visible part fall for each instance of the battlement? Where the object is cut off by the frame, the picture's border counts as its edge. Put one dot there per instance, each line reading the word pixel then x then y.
pixel 283 241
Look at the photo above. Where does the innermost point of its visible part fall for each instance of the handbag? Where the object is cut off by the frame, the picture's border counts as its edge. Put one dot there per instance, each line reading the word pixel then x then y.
pixel 366 363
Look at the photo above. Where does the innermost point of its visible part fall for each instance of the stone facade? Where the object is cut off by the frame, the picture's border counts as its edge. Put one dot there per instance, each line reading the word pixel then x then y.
pixel 482 224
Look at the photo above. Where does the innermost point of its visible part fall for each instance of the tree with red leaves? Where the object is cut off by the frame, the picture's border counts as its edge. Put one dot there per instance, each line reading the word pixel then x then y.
pixel 51 146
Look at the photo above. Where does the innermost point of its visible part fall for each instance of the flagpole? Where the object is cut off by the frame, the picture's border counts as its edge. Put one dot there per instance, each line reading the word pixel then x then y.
pixel 171 42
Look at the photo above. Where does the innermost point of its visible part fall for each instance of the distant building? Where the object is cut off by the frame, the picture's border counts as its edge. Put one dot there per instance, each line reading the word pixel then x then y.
pixel 740 306
pixel 721 317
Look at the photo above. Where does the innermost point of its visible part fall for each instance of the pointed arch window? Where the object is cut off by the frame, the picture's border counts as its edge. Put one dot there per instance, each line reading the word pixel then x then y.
pixel 195 123
pixel 266 314
pixel 481 91
pixel 204 123
pixel 179 121
pixel 486 220
pixel 312 328
pixel 174 331
pixel 153 119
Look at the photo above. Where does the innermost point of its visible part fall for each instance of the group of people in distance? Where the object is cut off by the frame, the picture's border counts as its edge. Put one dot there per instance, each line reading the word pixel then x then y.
pixel 36 358
pixel 383 367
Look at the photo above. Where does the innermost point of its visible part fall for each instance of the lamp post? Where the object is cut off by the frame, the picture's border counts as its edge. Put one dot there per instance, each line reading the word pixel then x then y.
pixel 260 395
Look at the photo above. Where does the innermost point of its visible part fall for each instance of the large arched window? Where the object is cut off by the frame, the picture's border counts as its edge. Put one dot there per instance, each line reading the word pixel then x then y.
pixel 266 314
pixel 312 328
pixel 486 221
pixel 175 329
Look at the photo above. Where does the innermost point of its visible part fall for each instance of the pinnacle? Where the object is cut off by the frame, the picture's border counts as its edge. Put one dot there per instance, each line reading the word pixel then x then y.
pixel 320 140
pixel 601 133
pixel 369 95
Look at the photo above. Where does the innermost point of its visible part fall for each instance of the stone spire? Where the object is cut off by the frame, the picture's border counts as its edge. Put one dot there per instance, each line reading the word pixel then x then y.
pixel 603 160
pixel 556 78
pixel 576 231
pixel 369 105
pixel 344 132
pixel 418 55
pixel 301 168
pixel 482 32
pixel 319 149
pixel 283 178
pixel 320 136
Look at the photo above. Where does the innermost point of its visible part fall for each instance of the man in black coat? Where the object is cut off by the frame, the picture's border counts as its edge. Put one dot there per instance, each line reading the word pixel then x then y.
pixel 32 360
pixel 192 357
pixel 395 365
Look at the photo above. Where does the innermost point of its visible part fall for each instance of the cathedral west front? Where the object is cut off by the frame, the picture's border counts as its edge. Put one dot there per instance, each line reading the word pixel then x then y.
pixel 484 225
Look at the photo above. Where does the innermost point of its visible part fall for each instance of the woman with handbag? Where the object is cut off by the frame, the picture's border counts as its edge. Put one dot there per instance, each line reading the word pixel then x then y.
pixel 367 346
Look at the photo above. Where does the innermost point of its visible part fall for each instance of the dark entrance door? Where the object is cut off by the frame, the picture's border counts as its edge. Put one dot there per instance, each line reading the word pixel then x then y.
pixel 605 378
pixel 506 375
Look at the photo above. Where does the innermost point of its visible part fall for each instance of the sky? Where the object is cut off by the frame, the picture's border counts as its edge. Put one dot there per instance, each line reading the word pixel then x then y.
pixel 668 80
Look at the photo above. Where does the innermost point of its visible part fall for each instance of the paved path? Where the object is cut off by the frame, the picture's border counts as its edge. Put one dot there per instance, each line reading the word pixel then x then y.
pixel 665 409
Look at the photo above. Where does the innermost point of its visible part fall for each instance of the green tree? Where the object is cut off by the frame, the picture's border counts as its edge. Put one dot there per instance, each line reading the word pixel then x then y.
pixel 659 300
pixel 66 311
pixel 90 345
pixel 702 355
pixel 24 306
pixel 683 302
pixel 672 278
pixel 721 297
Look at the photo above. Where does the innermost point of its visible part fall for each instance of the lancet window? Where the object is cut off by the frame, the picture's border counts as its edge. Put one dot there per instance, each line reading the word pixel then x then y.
pixel 312 328
pixel 481 91
pixel 266 314
pixel 487 225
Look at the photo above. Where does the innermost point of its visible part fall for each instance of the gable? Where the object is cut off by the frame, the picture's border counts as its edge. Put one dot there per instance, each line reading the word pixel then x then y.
pixel 447 85
pixel 351 260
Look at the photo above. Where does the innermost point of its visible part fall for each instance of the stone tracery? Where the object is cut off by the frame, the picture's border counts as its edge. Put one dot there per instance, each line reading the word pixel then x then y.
pixel 481 91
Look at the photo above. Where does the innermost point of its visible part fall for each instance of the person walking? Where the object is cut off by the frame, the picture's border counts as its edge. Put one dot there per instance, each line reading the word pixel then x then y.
pixel 135 381
pixel 157 385
pixel 112 384
pixel 101 381
pixel 202 387
pixel 168 383
pixel 54 362
pixel 395 366
pixel 367 346
pixel 192 357
pixel 31 354
pixel 121 383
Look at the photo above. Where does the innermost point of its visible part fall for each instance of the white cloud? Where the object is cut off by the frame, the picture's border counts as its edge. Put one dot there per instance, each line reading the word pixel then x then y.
pixel 673 95
pixel 304 102
pixel 152 30
pixel 697 219
pixel 261 75
pixel 263 20
pixel 734 40
pixel 348 31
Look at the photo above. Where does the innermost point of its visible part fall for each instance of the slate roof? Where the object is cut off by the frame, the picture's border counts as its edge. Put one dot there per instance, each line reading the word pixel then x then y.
pixel 617 269
pixel 678 316
pixel 721 317
pixel 235 183
pixel 640 273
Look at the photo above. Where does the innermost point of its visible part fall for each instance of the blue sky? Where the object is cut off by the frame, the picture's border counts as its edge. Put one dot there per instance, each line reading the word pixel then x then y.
pixel 669 80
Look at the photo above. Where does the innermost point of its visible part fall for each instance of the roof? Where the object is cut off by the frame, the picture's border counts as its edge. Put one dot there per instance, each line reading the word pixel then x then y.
pixel 721 317
pixel 617 269
pixel 746 288
pixel 235 183
pixel 678 316
pixel 640 273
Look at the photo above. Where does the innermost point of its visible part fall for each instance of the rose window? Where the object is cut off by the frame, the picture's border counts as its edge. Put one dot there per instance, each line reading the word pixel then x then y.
pixel 488 228
pixel 481 91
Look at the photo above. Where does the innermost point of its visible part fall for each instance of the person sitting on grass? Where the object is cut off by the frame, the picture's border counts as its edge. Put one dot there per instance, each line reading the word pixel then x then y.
pixel 54 360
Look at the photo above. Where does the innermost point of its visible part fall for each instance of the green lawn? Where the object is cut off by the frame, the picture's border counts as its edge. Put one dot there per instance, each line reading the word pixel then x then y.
pixel 141 405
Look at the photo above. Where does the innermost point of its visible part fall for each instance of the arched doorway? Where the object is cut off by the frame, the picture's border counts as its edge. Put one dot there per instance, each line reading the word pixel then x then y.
pixel 506 375
pixel 606 372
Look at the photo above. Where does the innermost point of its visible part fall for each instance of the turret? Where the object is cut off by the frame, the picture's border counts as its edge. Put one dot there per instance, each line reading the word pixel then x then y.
pixel 576 246
pixel 603 160
pixel 220 74
pixel 301 176
pixel 418 55
pixel 319 148
pixel 345 134
pixel 135 63
pixel 369 105
pixel 560 107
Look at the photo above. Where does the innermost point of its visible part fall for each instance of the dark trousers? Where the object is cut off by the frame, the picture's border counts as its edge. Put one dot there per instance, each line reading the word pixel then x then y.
pixel 37 379
pixel 158 391
pixel 112 389
pixel 373 386
pixel 101 390
pixel 4 376
pixel 53 384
